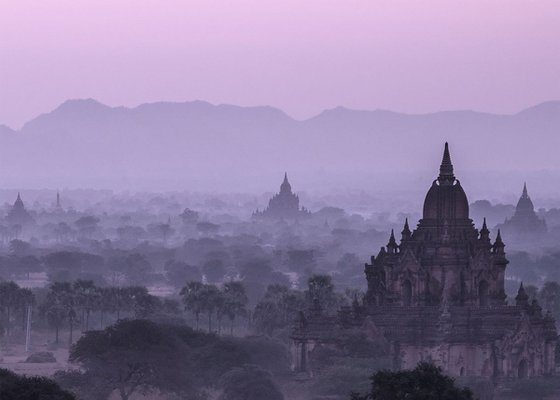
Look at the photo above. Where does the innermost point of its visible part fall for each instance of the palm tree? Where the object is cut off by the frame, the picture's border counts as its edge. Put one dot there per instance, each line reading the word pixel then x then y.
pixel 211 300
pixel 87 298
pixel 59 306
pixel 9 298
pixel 235 301
pixel 26 298
pixel 194 298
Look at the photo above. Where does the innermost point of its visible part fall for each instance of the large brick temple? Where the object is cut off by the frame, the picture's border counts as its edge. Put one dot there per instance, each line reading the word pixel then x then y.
pixel 438 296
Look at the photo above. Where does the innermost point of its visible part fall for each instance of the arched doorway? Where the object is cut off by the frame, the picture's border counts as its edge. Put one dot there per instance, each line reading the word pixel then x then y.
pixel 483 293
pixel 523 369
pixel 462 372
pixel 407 293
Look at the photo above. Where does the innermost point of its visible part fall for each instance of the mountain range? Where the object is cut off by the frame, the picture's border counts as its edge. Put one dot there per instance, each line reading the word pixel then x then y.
pixel 84 142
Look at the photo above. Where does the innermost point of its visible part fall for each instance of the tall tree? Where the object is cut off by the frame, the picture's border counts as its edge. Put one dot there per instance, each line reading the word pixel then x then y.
pixel 235 301
pixel 9 300
pixel 26 298
pixel 134 356
pixel 321 289
pixel 59 306
pixel 211 297
pixel 87 298
pixel 193 298
pixel 277 308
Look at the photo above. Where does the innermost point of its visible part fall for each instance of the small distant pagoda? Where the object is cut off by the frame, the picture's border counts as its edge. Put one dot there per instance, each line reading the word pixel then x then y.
pixel 525 221
pixel 283 205
pixel 18 215
pixel 58 206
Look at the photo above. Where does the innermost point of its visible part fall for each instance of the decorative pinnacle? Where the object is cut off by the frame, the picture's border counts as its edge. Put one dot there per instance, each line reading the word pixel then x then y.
pixel 392 241
pixel 484 224
pixel 446 167
pixel 406 231
pixel 522 296
pixel 525 194
pixel 484 231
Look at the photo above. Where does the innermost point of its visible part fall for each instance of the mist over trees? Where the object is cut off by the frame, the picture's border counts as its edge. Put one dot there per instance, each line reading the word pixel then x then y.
pixel 197 283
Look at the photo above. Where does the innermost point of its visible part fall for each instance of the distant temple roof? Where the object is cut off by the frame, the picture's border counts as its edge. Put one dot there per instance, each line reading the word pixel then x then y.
pixel 525 220
pixel 283 205
pixel 18 215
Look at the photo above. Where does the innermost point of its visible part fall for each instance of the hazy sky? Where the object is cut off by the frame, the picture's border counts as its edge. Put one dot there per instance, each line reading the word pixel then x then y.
pixel 301 56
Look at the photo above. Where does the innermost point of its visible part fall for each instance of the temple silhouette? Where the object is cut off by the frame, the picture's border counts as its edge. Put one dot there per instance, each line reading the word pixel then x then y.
pixel 439 296
pixel 18 215
pixel 525 221
pixel 283 205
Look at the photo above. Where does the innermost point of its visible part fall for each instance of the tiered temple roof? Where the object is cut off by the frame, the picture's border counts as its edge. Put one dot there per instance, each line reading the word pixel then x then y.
pixel 283 205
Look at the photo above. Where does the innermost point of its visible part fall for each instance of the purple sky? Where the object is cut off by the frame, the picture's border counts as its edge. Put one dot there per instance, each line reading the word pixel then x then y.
pixel 300 56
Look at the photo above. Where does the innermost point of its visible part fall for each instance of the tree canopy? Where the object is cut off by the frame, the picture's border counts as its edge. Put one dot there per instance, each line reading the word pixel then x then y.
pixel 425 382
pixel 17 387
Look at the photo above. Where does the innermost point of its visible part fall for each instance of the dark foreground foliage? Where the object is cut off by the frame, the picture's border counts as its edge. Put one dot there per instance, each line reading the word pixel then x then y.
pixel 425 382
pixel 141 356
pixel 17 387
pixel 249 382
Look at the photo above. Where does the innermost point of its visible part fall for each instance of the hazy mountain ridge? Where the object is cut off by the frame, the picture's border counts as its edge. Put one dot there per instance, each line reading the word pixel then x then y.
pixel 88 141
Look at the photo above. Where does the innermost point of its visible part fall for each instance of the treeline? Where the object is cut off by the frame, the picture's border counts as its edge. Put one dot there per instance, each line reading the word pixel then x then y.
pixel 82 305
pixel 71 306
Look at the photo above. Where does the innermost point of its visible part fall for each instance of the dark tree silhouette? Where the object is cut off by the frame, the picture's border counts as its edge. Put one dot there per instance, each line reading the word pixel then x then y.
pixel 194 298
pixel 249 382
pixel 425 382
pixel 16 387
pixel 321 289
pixel 87 299
pixel 59 306
pixel 133 356
pixel 9 301
pixel 235 301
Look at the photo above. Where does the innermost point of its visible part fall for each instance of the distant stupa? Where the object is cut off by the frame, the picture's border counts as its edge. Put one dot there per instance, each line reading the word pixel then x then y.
pixel 283 205
pixel 525 221
pixel 58 206
pixel 18 215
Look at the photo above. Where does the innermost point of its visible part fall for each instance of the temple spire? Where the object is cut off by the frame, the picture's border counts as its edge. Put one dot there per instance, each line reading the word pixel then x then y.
pixel 499 244
pixel 499 237
pixel 446 167
pixel 522 298
pixel 19 201
pixel 485 233
pixel 406 234
pixel 392 245
pixel 524 194
pixel 285 186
